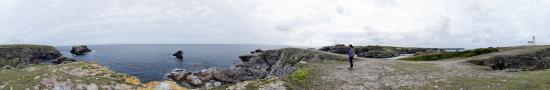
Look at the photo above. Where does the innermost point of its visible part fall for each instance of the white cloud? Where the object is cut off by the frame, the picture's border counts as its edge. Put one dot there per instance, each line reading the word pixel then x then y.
pixel 424 23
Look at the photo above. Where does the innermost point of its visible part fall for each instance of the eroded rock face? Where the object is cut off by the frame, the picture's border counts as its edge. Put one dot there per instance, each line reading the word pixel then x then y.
pixel 19 55
pixel 80 50
pixel 246 58
pixel 62 60
pixel 279 62
pixel 527 62
pixel 178 54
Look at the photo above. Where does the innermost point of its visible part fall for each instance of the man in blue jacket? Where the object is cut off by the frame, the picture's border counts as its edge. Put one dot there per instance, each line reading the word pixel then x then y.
pixel 351 54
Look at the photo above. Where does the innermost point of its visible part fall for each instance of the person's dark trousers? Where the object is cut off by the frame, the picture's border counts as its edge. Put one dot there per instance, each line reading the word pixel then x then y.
pixel 351 62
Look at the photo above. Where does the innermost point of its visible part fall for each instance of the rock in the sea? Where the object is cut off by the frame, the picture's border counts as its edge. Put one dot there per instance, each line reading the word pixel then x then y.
pixel 20 55
pixel 62 60
pixel 539 60
pixel 178 54
pixel 80 50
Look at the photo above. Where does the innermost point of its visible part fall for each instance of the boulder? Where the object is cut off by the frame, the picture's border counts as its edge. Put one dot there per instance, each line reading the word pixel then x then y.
pixel 20 55
pixel 206 75
pixel 62 60
pixel 80 50
pixel 224 75
pixel 193 80
pixel 178 75
pixel 178 54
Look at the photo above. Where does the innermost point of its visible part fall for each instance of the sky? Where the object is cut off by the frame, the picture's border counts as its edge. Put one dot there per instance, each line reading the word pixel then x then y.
pixel 411 23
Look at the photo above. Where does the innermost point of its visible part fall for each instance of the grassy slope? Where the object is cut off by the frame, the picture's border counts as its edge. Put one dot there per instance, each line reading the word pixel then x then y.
pixel 77 73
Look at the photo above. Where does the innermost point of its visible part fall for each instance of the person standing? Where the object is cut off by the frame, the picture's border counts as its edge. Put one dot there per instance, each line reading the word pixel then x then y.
pixel 351 54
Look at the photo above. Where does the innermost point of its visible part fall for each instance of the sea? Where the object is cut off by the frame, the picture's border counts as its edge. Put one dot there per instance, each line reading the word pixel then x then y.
pixel 151 62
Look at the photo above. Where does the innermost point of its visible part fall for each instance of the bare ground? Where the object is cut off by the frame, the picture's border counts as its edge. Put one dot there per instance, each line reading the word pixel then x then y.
pixel 384 74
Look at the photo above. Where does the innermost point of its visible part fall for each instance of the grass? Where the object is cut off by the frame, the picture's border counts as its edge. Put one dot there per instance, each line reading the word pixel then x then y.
pixel 29 77
pixel 537 80
pixel 446 55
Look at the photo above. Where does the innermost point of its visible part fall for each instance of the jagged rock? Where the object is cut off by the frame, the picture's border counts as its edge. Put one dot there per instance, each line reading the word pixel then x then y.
pixel 257 51
pixel 224 75
pixel 62 60
pixel 539 60
pixel 178 54
pixel 20 55
pixel 193 80
pixel 178 75
pixel 280 62
pixel 246 58
pixel 206 75
pixel 80 50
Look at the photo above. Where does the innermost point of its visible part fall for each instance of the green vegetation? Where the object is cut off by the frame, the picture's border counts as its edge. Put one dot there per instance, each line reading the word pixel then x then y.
pixel 42 75
pixel 300 76
pixel 445 55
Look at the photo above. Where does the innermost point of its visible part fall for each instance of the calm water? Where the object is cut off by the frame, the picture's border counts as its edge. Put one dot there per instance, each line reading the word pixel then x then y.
pixel 152 62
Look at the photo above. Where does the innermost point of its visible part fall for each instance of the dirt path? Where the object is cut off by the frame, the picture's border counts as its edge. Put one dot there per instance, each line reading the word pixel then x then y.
pixel 371 73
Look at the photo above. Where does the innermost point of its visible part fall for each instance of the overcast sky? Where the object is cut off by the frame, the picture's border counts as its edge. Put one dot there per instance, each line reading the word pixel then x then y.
pixel 420 23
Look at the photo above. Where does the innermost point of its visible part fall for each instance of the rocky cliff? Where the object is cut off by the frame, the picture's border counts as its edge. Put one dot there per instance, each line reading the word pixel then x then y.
pixel 279 62
pixel 18 55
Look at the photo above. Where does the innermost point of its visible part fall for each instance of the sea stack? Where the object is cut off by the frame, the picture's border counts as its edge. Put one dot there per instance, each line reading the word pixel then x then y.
pixel 80 50
pixel 178 54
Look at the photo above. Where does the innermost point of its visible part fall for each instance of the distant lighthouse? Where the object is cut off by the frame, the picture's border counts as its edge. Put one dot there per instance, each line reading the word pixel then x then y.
pixel 533 42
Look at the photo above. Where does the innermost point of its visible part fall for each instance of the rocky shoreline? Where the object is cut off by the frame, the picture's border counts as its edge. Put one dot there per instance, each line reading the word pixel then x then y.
pixel 257 65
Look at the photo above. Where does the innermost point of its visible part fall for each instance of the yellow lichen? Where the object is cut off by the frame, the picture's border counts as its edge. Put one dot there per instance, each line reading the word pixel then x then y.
pixel 132 80
pixel 152 84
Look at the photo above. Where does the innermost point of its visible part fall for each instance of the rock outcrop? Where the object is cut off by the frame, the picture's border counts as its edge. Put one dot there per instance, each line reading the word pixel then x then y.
pixel 378 51
pixel 19 55
pixel 178 54
pixel 539 60
pixel 80 50
pixel 62 60
pixel 280 62
pixel 378 54
pixel 257 51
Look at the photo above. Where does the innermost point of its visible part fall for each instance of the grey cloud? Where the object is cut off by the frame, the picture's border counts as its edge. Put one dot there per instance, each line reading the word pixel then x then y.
pixel 423 23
